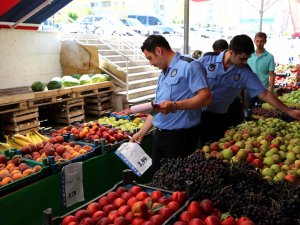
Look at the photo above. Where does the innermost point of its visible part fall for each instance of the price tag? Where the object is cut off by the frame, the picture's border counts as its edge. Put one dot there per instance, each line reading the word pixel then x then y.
pixel 72 185
pixel 134 157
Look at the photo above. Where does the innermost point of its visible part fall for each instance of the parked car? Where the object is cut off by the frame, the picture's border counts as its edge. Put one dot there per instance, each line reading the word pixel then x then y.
pixel 89 21
pixel 136 25
pixel 157 25
pixel 113 26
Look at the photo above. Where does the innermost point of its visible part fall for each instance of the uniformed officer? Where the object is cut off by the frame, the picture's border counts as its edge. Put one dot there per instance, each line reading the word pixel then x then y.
pixel 181 92
pixel 228 73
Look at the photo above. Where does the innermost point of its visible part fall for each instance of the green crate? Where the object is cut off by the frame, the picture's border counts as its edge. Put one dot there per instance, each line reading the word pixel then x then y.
pixel 25 180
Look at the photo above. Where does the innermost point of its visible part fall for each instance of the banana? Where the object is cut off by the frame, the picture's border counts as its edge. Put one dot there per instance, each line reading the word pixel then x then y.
pixel 21 137
pixel 37 137
pixel 34 140
pixel 20 142
pixel 4 146
pixel 44 138
pixel 29 137
pixel 10 141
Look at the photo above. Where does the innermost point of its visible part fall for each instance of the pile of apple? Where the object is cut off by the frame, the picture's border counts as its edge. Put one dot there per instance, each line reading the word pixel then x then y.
pixel 91 131
pixel 134 206
pixel 123 124
pixel 204 213
pixel 14 169
pixel 127 112
pixel 271 144
pixel 291 99
pixel 55 146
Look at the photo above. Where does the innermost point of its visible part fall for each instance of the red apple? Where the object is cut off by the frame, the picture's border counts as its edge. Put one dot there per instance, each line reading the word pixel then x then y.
pixel 118 202
pixel 98 215
pixel 156 219
pixel 207 206
pixel 123 210
pixel 186 216
pixel 103 201
pixel 141 195
pixel 87 221
pixel 242 219
pixel 112 196
pixel 165 212
pixel 229 221
pixel 155 195
pixel 129 217
pixel 196 221
pixel 164 200
pixel 103 221
pixel 138 221
pixel 82 213
pixel 108 208
pixel 93 207
pixel 139 209
pixel 195 208
pixel 113 215
pixel 68 219
pixel 121 190
pixel 212 220
pixel 135 189
pixel 179 197
pixel 131 201
pixel 120 221
pixel 173 205
pixel 126 195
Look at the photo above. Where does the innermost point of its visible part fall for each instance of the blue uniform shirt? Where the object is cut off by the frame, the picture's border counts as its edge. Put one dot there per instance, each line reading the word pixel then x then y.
pixel 182 79
pixel 226 85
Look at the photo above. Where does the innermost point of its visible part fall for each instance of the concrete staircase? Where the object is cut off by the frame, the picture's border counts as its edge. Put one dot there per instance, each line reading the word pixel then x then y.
pixel 121 57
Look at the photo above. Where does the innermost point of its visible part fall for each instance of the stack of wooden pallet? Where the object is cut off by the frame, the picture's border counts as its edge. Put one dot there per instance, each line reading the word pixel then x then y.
pixel 100 103
pixel 69 111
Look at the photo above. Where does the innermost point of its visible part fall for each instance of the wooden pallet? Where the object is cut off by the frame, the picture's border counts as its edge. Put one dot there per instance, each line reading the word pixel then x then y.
pixel 13 107
pixel 21 115
pixel 70 111
pixel 21 120
pixel 92 89
pixel 24 125
pixel 51 97
pixel 99 104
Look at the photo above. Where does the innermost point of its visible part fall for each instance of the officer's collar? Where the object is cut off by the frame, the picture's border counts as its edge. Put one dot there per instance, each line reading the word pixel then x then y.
pixel 174 60
pixel 220 57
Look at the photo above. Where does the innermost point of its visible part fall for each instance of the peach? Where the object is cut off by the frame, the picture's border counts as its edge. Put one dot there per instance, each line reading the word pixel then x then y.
pixel 36 168
pixel 82 151
pixel 4 173
pixel 6 180
pixel 72 143
pixel 59 139
pixel 15 171
pixel 33 147
pixel 60 149
pixel 27 172
pixel 10 165
pixel 17 176
pixel 77 147
pixel 26 150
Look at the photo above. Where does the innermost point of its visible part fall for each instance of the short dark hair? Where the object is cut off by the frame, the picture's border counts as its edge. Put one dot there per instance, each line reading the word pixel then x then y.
pixel 220 45
pixel 154 41
pixel 261 35
pixel 241 44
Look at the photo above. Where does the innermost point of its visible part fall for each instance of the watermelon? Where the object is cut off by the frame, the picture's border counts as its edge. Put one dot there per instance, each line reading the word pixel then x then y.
pixel 85 79
pixel 54 85
pixel 76 76
pixel 38 86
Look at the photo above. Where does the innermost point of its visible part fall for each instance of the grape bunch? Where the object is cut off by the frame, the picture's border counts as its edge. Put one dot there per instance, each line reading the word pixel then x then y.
pixel 237 188
pixel 265 113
